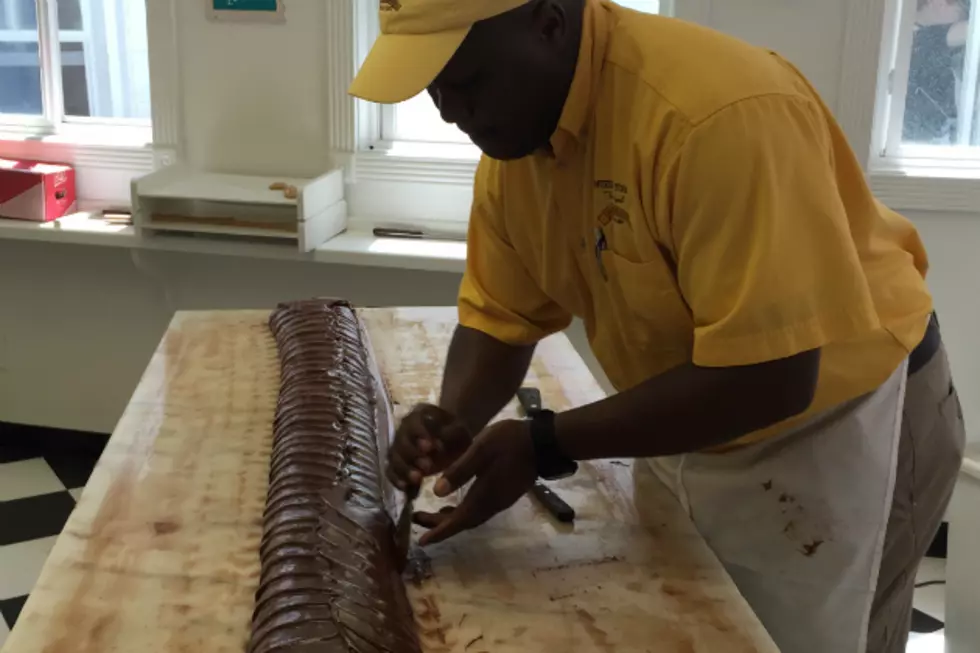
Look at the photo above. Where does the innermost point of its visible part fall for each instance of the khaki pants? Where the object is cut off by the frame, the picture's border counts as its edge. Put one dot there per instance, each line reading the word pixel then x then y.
pixel 929 456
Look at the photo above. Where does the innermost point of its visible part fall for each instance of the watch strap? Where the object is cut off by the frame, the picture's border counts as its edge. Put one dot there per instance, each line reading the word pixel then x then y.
pixel 550 460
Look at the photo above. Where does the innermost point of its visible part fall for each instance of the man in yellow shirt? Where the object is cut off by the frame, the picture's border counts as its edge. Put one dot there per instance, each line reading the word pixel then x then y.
pixel 764 319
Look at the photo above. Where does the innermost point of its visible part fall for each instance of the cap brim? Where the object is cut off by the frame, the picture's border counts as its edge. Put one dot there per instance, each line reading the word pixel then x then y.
pixel 400 66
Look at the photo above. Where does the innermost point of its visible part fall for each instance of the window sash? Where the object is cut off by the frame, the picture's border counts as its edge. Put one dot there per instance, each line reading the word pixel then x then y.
pixel 102 86
pixel 967 113
pixel 894 152
pixel 420 184
pixel 387 130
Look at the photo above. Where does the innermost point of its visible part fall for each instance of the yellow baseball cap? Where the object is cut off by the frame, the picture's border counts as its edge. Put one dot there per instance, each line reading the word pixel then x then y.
pixel 418 38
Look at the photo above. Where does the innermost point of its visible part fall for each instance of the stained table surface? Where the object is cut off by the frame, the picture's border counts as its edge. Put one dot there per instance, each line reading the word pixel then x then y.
pixel 161 553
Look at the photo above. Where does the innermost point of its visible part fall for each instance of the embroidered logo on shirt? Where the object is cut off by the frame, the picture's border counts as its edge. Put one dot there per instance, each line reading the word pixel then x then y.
pixel 390 5
pixel 613 213
pixel 616 194
pixel 614 190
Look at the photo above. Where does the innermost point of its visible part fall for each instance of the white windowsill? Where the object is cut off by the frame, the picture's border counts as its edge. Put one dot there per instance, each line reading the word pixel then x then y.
pixel 417 163
pixel 353 247
pixel 86 134
pixel 76 229
pixel 927 189
pixel 363 248
pixel 84 145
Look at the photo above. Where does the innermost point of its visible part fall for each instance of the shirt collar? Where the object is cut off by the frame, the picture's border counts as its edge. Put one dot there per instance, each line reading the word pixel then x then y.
pixel 580 102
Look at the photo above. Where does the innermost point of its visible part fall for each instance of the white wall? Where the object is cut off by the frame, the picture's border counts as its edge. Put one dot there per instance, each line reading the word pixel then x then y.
pixel 254 96
pixel 953 243
pixel 808 32
pixel 77 324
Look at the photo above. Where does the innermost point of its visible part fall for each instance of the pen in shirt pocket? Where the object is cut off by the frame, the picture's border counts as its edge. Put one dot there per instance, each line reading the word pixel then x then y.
pixel 600 246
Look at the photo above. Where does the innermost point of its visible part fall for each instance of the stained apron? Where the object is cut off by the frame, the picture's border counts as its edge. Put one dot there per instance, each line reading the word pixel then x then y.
pixel 799 520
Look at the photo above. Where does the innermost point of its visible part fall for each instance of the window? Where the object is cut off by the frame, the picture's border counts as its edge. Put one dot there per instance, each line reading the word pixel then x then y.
pixel 73 61
pixel 408 167
pixel 417 120
pixel 931 112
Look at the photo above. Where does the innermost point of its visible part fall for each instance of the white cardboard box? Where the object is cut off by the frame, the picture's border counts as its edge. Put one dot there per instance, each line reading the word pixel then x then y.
pixel 179 199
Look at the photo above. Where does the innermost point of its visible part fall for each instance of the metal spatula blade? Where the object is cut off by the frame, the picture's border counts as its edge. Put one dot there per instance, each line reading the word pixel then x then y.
pixel 403 529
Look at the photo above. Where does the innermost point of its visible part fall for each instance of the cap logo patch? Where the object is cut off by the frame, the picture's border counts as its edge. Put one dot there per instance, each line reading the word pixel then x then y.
pixel 390 5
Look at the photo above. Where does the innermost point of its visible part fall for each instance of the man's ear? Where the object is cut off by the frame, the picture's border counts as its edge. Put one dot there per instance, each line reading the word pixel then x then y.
pixel 550 20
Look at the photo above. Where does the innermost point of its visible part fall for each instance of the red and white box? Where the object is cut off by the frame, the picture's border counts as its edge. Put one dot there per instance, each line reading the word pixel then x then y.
pixel 40 192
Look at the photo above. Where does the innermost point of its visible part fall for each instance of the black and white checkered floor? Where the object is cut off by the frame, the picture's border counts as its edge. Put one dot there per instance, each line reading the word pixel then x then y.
pixel 42 475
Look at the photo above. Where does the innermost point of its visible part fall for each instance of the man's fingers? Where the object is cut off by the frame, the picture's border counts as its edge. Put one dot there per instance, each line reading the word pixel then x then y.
pixel 401 473
pixel 447 526
pixel 455 437
pixel 462 471
pixel 395 479
pixel 447 433
pixel 467 515
pixel 397 470
pixel 432 519
pixel 499 464
pixel 427 440
pixel 410 454
pixel 406 444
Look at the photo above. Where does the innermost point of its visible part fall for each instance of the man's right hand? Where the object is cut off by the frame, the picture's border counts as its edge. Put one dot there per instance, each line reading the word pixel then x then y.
pixel 427 441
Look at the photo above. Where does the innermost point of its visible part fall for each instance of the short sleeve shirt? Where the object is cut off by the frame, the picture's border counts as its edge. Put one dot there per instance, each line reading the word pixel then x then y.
pixel 698 204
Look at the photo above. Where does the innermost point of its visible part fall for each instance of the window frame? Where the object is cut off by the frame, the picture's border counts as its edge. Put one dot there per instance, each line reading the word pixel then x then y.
pixel 106 153
pixel 388 129
pixel 916 178
pixel 898 33
pixel 388 184
pixel 422 185
pixel 388 136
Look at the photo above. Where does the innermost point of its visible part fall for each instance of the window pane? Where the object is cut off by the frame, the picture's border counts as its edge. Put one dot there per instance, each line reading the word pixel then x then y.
pixel 73 78
pixel 941 101
pixel 649 6
pixel 69 14
pixel 20 65
pixel 104 61
pixel 419 120
pixel 18 14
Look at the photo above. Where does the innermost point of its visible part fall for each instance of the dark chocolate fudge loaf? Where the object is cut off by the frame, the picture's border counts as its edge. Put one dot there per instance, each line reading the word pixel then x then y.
pixel 329 576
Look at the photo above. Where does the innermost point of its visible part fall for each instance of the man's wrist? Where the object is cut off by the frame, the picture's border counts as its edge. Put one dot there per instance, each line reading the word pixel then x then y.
pixel 561 434
pixel 551 461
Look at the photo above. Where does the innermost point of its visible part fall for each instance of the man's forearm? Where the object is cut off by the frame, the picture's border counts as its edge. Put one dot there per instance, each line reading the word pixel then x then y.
pixel 689 408
pixel 482 374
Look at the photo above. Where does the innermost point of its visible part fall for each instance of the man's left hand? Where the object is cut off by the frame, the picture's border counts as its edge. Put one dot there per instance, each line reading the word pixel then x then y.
pixel 501 460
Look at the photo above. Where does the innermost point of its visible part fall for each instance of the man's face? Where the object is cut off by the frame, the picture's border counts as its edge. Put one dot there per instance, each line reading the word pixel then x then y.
pixel 506 85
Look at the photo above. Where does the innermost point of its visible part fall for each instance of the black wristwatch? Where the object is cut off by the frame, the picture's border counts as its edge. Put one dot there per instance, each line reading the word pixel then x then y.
pixel 551 462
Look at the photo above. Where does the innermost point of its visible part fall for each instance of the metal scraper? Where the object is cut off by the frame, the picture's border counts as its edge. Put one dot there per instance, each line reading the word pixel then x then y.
pixel 403 529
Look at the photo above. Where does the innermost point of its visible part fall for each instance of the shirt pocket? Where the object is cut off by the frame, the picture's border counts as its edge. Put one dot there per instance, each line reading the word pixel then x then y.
pixel 650 313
